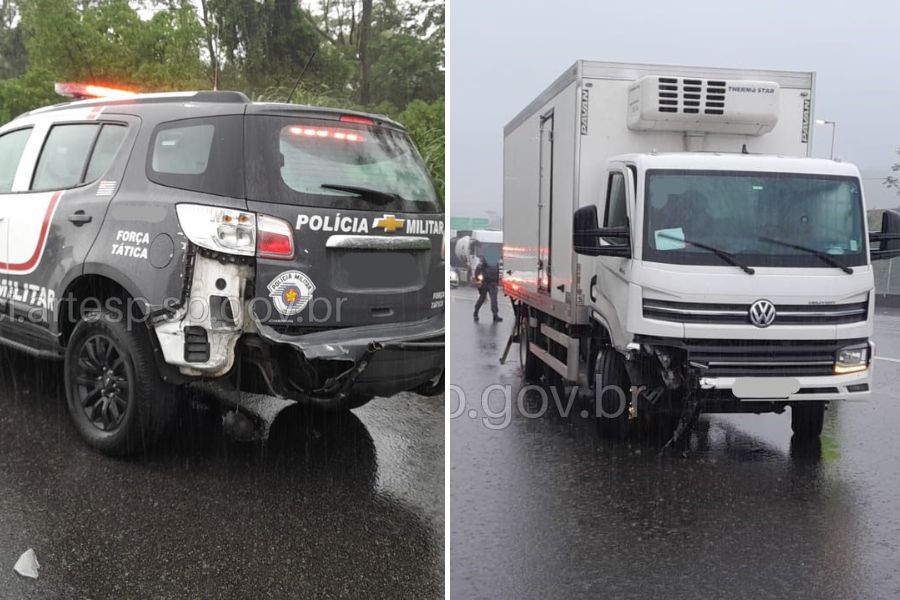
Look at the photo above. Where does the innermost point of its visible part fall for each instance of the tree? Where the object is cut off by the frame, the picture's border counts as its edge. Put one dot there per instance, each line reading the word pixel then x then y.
pixel 13 59
pixel 384 56
pixel 425 123
pixel 891 181
pixel 107 41
pixel 25 93
pixel 397 48
pixel 365 59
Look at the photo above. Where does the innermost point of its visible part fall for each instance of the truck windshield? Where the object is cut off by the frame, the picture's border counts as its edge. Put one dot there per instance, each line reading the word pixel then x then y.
pixel 760 219
pixel 320 162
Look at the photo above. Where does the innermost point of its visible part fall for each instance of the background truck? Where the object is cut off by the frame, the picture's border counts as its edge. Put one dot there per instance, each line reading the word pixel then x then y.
pixel 670 246
pixel 466 248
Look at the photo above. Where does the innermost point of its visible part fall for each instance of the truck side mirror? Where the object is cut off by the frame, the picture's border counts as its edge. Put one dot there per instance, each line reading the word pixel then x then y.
pixel 586 235
pixel 886 243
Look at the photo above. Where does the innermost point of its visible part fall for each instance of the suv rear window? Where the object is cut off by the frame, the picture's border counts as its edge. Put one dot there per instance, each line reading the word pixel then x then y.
pixel 346 165
pixel 201 155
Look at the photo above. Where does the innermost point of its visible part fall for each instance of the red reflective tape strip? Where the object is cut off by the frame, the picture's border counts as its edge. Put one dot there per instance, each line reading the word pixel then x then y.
pixel 42 240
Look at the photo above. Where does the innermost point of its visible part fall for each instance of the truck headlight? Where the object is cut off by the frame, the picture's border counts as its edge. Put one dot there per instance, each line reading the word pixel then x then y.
pixel 851 359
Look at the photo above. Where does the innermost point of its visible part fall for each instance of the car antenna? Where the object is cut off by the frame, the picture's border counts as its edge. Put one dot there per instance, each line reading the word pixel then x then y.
pixel 744 149
pixel 299 77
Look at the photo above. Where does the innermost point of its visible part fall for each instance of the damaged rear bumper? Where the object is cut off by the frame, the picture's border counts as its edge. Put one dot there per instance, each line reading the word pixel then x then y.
pixel 373 360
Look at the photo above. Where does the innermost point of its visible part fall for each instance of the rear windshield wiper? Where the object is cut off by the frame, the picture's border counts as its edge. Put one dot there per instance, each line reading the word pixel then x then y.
pixel 823 256
pixel 378 196
pixel 726 256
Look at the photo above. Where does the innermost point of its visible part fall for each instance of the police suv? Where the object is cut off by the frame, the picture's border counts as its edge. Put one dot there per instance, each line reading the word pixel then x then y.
pixel 155 240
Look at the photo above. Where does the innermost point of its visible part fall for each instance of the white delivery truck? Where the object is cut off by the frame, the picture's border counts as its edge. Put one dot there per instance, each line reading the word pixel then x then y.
pixel 670 245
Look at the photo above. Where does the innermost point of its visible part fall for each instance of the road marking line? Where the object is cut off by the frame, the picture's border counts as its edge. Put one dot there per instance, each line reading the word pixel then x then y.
pixel 887 358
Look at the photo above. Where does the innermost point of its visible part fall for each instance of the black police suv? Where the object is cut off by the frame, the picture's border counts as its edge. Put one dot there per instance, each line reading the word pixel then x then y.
pixel 160 239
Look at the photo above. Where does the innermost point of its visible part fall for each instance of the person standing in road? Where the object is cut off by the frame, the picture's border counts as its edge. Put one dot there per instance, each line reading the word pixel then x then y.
pixel 488 277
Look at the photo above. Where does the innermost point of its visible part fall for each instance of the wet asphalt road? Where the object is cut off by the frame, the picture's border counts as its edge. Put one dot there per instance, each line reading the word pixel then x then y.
pixel 544 509
pixel 348 507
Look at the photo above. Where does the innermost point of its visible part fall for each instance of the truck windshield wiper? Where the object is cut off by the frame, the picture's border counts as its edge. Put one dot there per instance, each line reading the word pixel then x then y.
pixel 378 196
pixel 825 257
pixel 726 256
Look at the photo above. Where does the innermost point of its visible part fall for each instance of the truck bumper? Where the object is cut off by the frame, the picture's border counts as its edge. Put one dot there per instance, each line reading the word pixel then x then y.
pixel 854 386
pixel 374 360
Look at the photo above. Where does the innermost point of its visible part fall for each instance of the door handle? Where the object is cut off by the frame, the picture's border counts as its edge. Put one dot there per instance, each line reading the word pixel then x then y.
pixel 79 218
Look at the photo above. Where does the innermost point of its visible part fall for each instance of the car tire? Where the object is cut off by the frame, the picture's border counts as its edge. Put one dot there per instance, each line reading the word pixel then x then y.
pixel 807 419
pixel 115 396
pixel 612 421
pixel 531 366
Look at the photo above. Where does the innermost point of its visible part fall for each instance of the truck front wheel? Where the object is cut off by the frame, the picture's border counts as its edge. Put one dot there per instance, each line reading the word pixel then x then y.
pixel 611 389
pixel 807 419
pixel 115 397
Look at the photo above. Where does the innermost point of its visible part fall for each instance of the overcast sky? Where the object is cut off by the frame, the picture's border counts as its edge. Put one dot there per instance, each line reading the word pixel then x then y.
pixel 502 53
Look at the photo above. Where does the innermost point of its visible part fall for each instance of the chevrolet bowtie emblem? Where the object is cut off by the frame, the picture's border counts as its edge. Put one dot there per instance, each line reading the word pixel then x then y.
pixel 390 223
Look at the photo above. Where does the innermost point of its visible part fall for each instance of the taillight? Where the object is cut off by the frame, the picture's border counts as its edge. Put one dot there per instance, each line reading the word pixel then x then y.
pixel 217 228
pixel 236 232
pixel 274 238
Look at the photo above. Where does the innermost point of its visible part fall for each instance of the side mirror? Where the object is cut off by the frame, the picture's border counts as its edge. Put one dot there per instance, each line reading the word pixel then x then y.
pixel 586 236
pixel 886 243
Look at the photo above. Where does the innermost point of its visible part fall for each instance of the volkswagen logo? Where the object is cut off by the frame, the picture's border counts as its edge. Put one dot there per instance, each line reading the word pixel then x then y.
pixel 762 313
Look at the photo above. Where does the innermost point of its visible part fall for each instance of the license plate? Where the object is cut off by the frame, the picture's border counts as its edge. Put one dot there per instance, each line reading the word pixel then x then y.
pixel 764 388
pixel 362 271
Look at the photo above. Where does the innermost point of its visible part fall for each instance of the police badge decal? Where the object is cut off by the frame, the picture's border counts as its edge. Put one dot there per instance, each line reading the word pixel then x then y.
pixel 291 292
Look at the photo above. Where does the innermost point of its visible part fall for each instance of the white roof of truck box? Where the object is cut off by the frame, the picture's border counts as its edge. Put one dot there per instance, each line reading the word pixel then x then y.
pixel 592 69
pixel 717 161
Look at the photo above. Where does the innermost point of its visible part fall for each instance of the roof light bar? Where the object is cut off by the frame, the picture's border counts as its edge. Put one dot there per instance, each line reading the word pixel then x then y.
pixel 87 90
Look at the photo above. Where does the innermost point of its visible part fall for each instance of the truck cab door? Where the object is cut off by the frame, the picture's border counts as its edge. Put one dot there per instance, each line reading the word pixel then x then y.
pixel 609 289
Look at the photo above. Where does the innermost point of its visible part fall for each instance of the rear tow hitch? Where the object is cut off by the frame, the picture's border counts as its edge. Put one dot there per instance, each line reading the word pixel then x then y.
pixel 338 387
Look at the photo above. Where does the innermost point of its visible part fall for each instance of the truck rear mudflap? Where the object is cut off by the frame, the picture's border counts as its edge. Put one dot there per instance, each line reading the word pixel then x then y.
pixel 327 367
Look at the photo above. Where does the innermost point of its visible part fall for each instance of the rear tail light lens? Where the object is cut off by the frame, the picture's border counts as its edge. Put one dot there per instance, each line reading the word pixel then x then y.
pixel 275 238
pixel 236 232
pixel 219 229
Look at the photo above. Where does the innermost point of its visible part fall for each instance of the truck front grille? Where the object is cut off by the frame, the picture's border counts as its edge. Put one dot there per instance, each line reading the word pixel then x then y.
pixel 739 314
pixel 757 358
pixel 740 358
